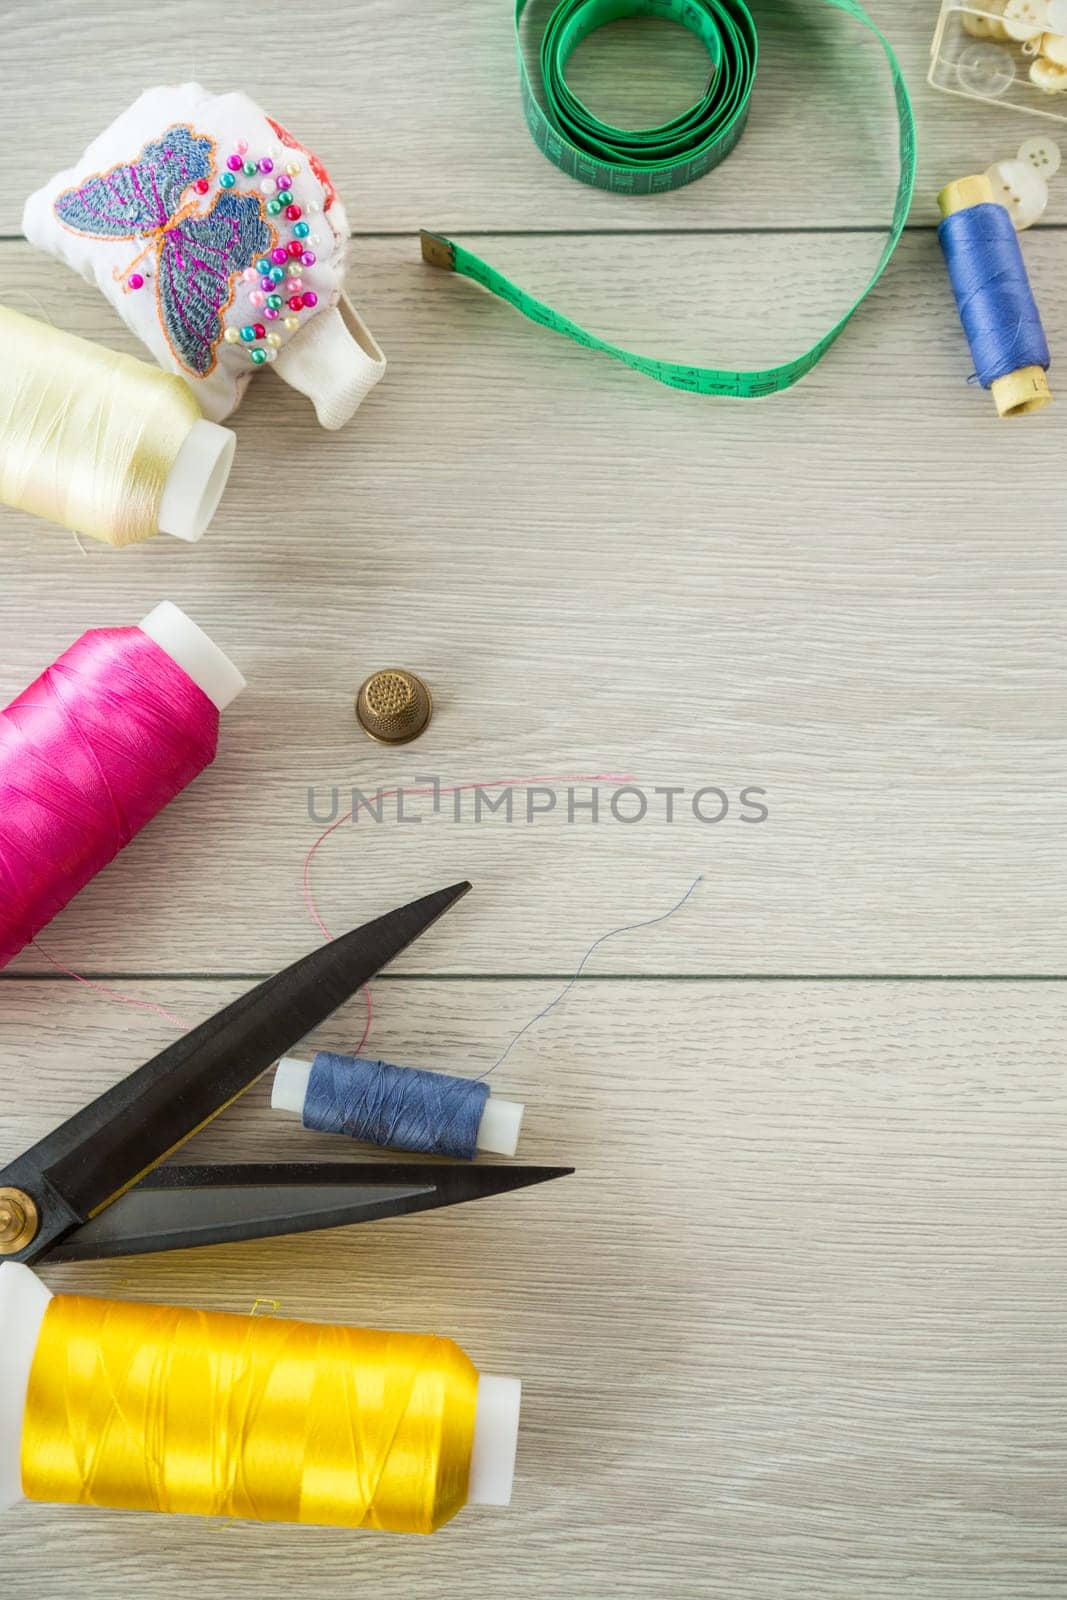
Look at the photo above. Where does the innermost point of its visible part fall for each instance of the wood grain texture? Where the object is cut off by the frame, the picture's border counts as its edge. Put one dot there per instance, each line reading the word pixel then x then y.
pixel 848 596
pixel 415 108
pixel 796 1325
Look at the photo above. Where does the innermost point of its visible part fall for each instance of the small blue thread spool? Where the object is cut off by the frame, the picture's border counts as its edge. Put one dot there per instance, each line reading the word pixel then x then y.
pixel 398 1108
pixel 994 298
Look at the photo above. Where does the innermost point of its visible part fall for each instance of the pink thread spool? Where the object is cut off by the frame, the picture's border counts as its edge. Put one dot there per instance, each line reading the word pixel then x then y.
pixel 93 750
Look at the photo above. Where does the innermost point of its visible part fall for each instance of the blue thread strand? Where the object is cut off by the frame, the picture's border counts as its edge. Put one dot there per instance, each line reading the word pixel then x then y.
pixel 993 294
pixel 630 927
pixel 399 1108
pixel 404 1108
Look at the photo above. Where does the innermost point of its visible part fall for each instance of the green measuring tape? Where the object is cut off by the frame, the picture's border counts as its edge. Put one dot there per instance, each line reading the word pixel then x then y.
pixel 653 160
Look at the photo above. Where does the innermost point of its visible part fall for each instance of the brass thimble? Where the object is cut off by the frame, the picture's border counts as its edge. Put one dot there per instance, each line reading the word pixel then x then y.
pixel 393 706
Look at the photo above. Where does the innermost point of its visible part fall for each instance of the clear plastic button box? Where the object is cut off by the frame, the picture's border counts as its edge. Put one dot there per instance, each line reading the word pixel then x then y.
pixel 1008 52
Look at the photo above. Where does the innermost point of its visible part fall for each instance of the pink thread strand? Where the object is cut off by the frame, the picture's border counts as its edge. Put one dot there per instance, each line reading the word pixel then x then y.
pixel 309 899
pixel 454 788
pixel 112 994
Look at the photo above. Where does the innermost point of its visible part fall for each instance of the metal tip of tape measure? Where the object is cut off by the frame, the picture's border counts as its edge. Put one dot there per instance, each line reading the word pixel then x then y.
pixel 393 706
pixel 437 251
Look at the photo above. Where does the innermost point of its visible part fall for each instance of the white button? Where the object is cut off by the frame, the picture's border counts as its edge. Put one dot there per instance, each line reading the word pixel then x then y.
pixel 995 24
pixel 1057 16
pixel 1020 190
pixel 1048 76
pixel 1054 48
pixel 1024 19
pixel 1043 154
pixel 985 70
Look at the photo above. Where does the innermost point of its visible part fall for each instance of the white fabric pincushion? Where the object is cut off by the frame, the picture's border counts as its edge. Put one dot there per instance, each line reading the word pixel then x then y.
pixel 221 242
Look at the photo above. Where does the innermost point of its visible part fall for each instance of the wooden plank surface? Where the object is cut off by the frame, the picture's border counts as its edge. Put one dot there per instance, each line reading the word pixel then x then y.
pixel 851 597
pixel 415 109
pixel 796 1325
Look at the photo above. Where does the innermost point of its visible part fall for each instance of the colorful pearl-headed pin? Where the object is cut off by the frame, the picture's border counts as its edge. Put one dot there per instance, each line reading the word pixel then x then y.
pixel 241 146
pixel 234 162
pixel 308 258
pixel 227 180
pixel 274 301
pixel 292 267
pixel 277 274
pixel 279 255
pixel 312 208
pixel 285 181
pixel 296 304
pixel 267 186
pixel 258 356
pixel 257 298
pixel 300 231
pixel 259 330
pixel 271 313
pixel 273 207
pixel 262 265
pixel 135 280
pixel 274 340
pixel 248 333
pixel 249 169
pixel 232 336
pixel 293 168
pixel 266 284
pixel 292 323
pixel 311 299
pixel 294 247
pixel 201 186
pixel 294 213
pixel 294 285
pixel 250 274
pixel 266 164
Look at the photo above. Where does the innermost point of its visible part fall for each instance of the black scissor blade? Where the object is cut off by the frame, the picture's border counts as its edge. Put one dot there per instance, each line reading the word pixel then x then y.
pixel 88 1161
pixel 176 1208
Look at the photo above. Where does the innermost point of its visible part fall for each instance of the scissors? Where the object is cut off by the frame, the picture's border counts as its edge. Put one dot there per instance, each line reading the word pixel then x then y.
pixel 94 1187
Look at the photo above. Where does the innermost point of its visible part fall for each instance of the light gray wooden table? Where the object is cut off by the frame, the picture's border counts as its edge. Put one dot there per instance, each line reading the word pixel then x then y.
pixel 797 1325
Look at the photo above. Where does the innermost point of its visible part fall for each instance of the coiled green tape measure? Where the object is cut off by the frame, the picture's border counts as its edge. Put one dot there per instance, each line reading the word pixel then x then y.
pixel 652 160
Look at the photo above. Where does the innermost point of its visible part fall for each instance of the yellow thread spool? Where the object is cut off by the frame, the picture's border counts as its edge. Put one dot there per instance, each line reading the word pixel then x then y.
pixel 102 443
pixel 157 1408
pixel 1017 393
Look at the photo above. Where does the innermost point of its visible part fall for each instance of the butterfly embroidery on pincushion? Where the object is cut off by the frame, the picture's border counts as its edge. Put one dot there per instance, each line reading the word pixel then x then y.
pixel 197 254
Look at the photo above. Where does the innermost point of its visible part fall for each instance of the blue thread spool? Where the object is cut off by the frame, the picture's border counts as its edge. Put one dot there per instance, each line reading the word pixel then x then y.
pixel 399 1108
pixel 994 298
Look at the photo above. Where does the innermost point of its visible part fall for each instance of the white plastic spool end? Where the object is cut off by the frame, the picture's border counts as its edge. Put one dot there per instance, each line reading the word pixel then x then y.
pixel 498 1131
pixel 194 652
pixel 496 1441
pixel 192 492
pixel 23 1303
pixel 290 1088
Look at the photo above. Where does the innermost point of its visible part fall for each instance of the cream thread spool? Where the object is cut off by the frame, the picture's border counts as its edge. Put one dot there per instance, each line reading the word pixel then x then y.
pixel 102 443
